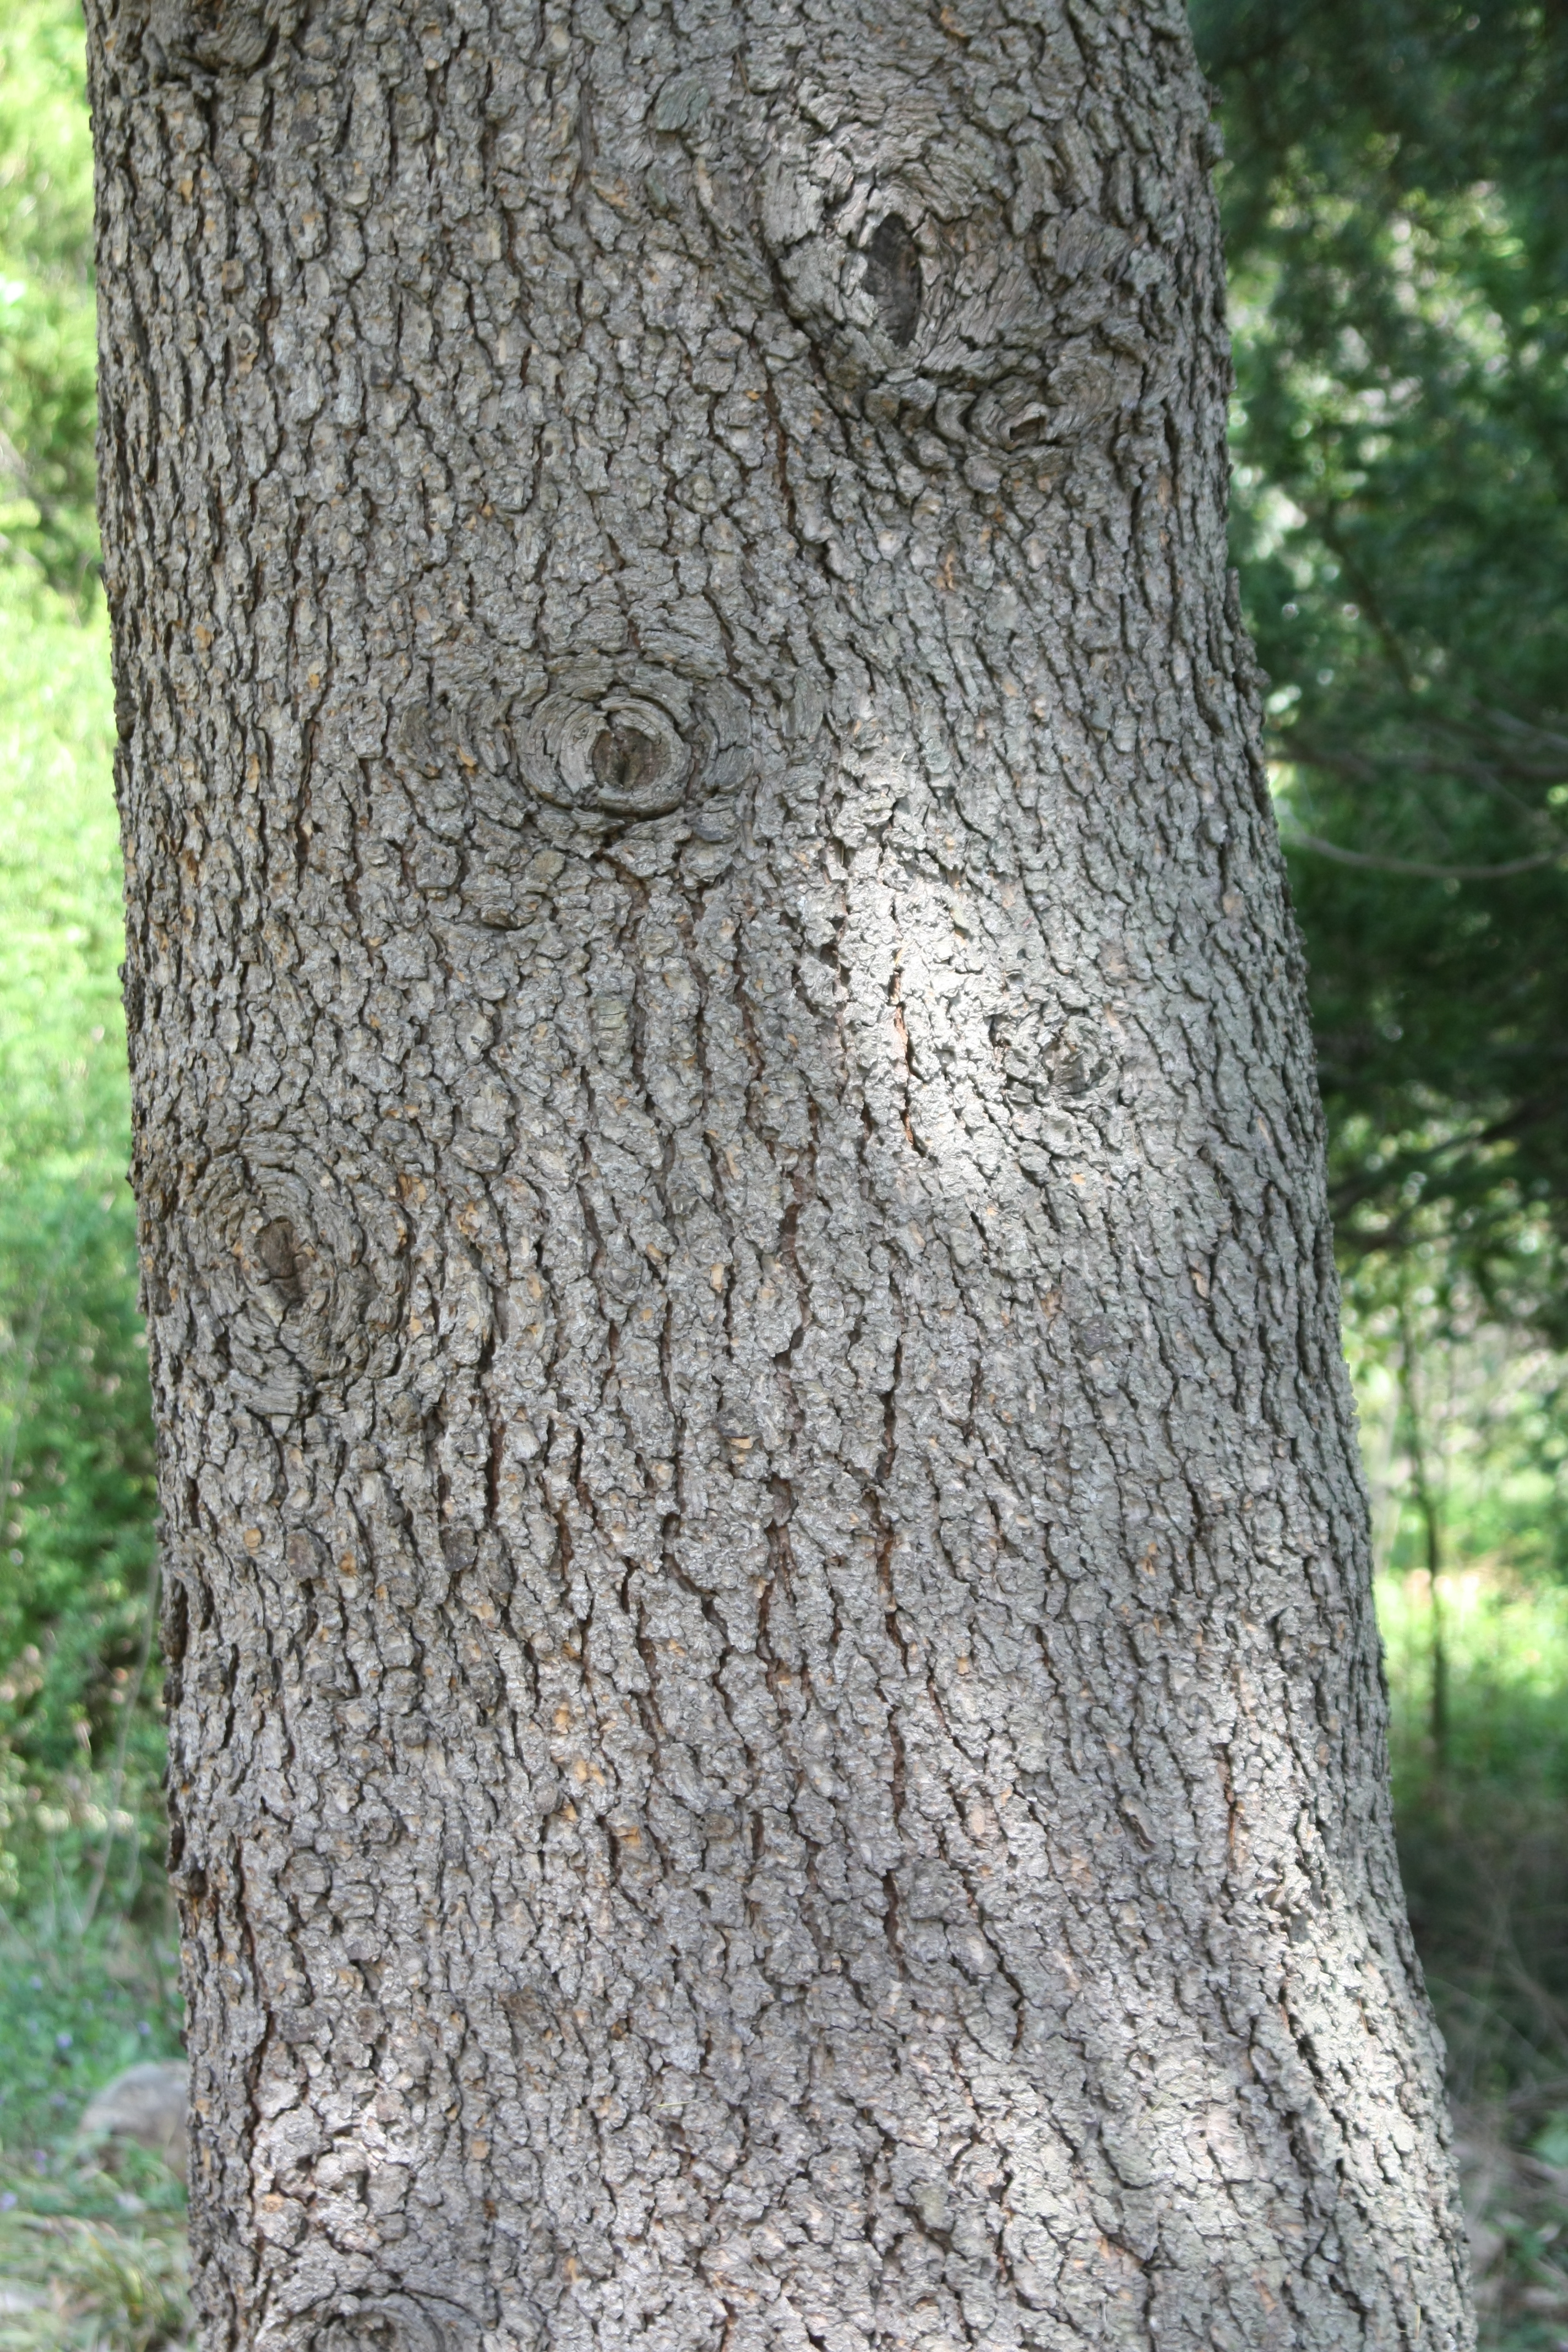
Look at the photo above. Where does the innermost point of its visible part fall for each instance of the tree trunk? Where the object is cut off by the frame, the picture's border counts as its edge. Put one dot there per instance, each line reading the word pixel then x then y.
pixel 776 1718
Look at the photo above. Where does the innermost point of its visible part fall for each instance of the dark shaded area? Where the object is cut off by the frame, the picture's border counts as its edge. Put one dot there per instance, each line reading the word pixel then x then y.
pixel 1396 208
pixel 1397 211
pixel 893 278
pixel 626 762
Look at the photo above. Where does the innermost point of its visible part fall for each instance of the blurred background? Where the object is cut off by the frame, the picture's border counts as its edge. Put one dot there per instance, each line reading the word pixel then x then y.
pixel 1395 193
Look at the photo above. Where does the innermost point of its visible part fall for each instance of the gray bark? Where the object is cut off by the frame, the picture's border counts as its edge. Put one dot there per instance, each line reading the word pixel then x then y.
pixel 775 1721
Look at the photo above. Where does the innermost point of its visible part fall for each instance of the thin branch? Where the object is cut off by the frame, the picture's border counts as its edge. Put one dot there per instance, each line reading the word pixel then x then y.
pixel 1429 1510
pixel 1328 522
pixel 1305 751
pixel 129 1703
pixel 1512 726
pixel 1418 866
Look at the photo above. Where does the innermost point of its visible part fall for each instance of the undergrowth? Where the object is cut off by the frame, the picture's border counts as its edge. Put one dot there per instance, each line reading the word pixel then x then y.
pixel 93 2251
pixel 74 2283
pixel 1483 1838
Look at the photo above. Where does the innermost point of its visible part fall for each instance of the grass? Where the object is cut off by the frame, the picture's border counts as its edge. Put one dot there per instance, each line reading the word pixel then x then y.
pixel 1483 1834
pixel 1506 1639
pixel 78 1735
pixel 76 2283
pixel 73 2013
pixel 92 2242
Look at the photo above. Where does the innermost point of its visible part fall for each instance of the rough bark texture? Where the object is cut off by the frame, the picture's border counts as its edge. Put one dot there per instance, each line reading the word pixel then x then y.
pixel 776 1718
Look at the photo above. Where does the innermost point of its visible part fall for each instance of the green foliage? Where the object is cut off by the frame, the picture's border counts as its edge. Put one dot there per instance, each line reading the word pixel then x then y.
pixel 79 2286
pixel 48 401
pixel 1460 1411
pixel 1396 209
pixel 74 2010
pixel 76 1447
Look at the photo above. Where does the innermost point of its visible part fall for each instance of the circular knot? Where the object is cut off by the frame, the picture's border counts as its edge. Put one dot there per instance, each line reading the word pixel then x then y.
pixel 634 751
pixel 622 755
pixel 392 2323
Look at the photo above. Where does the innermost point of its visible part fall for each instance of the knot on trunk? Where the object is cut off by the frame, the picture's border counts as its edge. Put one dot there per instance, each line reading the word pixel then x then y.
pixel 390 2323
pixel 612 752
pixel 983 296
pixel 892 278
pixel 213 36
pixel 300 1288
pixel 607 751
pixel 622 756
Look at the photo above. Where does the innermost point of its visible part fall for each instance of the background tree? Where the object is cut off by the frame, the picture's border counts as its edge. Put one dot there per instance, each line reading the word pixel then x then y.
pixel 1396 222
pixel 776 1720
pixel 76 1441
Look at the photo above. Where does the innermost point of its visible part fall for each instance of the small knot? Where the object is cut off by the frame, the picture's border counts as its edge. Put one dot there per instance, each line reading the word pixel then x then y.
pixel 613 754
pixel 230 36
pixel 394 2323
